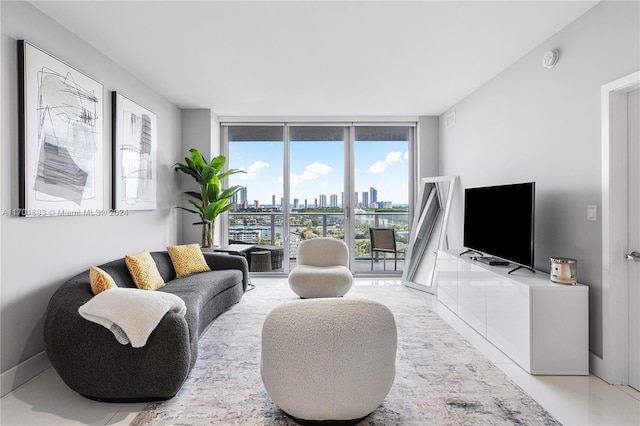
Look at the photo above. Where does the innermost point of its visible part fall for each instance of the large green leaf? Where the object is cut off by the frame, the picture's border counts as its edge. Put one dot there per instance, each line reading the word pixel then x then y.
pixel 213 193
pixel 230 172
pixel 195 195
pixel 207 175
pixel 212 211
pixel 225 208
pixel 186 170
pixel 197 205
pixel 188 210
pixel 217 163
pixel 193 166
pixel 230 192
pixel 197 158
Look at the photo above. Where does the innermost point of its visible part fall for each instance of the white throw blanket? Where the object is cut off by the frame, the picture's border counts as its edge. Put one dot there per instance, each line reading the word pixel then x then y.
pixel 131 314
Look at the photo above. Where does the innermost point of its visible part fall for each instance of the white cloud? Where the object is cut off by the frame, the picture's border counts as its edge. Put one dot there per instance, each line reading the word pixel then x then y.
pixel 378 167
pixel 324 184
pixel 315 170
pixel 253 171
pixel 392 157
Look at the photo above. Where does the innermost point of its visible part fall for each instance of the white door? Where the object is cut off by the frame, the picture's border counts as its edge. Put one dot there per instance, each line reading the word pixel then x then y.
pixel 633 158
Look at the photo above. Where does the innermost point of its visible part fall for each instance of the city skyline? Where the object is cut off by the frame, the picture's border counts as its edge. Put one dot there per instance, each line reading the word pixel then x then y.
pixel 317 168
pixel 318 202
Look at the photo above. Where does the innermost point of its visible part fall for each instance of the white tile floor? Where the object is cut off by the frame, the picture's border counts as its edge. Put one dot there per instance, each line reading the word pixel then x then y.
pixel 573 400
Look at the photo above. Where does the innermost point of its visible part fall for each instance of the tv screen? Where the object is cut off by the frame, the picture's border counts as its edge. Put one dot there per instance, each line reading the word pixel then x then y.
pixel 499 221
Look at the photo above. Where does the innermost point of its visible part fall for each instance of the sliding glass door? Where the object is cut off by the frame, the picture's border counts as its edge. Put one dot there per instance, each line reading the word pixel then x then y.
pixel 382 167
pixel 316 184
pixel 257 216
pixel 309 181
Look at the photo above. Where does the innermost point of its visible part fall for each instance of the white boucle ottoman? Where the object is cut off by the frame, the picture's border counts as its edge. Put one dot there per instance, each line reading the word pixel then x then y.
pixel 329 359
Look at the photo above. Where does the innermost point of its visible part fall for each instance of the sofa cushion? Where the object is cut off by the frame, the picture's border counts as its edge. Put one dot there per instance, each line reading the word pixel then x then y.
pixel 144 271
pixel 187 259
pixel 100 280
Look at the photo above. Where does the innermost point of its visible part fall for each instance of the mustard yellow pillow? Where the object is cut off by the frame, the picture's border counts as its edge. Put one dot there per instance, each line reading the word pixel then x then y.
pixel 187 259
pixel 144 271
pixel 100 280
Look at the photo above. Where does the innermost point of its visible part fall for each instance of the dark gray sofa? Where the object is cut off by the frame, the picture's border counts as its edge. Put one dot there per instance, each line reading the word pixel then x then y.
pixel 90 360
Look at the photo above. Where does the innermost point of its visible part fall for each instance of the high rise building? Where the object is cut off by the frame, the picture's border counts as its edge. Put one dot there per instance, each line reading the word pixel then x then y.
pixel 373 195
pixel 296 203
pixel 243 196
pixel 323 201
pixel 333 200
pixel 273 201
pixel 365 199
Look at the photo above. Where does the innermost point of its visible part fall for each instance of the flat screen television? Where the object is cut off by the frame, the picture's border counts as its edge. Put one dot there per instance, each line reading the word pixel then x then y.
pixel 499 221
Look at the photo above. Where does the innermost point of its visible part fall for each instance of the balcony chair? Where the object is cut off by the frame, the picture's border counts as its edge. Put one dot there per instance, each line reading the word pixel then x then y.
pixel 383 240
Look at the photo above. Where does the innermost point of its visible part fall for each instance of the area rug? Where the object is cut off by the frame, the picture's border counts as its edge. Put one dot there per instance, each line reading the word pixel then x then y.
pixel 440 378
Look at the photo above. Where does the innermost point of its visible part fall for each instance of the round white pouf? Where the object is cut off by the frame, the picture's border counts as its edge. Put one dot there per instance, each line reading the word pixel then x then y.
pixel 322 270
pixel 329 359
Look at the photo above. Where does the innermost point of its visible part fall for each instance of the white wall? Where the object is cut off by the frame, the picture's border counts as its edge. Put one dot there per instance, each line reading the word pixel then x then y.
pixel 200 130
pixel 38 254
pixel 428 158
pixel 535 124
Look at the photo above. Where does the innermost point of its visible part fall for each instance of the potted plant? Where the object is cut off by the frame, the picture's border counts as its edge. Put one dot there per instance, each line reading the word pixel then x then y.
pixel 212 200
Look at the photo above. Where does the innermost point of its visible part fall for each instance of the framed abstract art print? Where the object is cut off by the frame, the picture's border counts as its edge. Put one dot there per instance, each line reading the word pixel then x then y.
pixel 134 155
pixel 61 137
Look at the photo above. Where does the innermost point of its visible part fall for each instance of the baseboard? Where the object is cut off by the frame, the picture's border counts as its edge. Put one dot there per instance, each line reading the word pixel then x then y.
pixel 599 368
pixel 23 372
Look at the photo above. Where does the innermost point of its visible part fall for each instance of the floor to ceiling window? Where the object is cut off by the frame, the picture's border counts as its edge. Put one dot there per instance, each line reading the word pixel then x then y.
pixel 317 180
pixel 381 161
pixel 257 216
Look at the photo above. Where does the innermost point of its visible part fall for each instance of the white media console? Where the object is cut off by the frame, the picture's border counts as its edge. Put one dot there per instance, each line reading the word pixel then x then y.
pixel 540 325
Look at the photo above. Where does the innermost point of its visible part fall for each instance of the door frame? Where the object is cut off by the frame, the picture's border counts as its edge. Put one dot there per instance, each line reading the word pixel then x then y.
pixel 349 124
pixel 613 365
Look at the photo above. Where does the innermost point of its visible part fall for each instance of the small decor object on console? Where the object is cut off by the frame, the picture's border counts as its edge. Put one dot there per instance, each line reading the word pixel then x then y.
pixel 564 270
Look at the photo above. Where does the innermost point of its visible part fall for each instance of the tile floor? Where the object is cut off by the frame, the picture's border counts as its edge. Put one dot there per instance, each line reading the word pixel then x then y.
pixel 573 400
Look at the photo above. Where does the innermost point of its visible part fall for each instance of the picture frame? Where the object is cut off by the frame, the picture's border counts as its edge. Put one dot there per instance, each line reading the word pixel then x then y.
pixel 61 140
pixel 134 155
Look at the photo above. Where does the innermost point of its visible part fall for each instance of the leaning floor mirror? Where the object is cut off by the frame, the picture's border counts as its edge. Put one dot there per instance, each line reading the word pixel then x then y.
pixel 428 233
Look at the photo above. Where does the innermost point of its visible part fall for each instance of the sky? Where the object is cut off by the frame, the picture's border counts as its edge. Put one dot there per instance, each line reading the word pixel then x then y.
pixel 318 168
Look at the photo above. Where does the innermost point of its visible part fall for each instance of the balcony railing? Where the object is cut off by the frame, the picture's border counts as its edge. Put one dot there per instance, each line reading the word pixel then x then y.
pixel 267 228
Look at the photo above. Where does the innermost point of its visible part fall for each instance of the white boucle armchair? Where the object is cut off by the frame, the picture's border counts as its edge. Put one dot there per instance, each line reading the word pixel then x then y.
pixel 322 270
pixel 329 360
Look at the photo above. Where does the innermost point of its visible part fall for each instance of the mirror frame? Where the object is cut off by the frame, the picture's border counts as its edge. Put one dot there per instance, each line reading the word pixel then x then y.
pixel 419 273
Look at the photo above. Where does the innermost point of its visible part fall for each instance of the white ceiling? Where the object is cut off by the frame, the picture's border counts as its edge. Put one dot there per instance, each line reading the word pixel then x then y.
pixel 323 58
